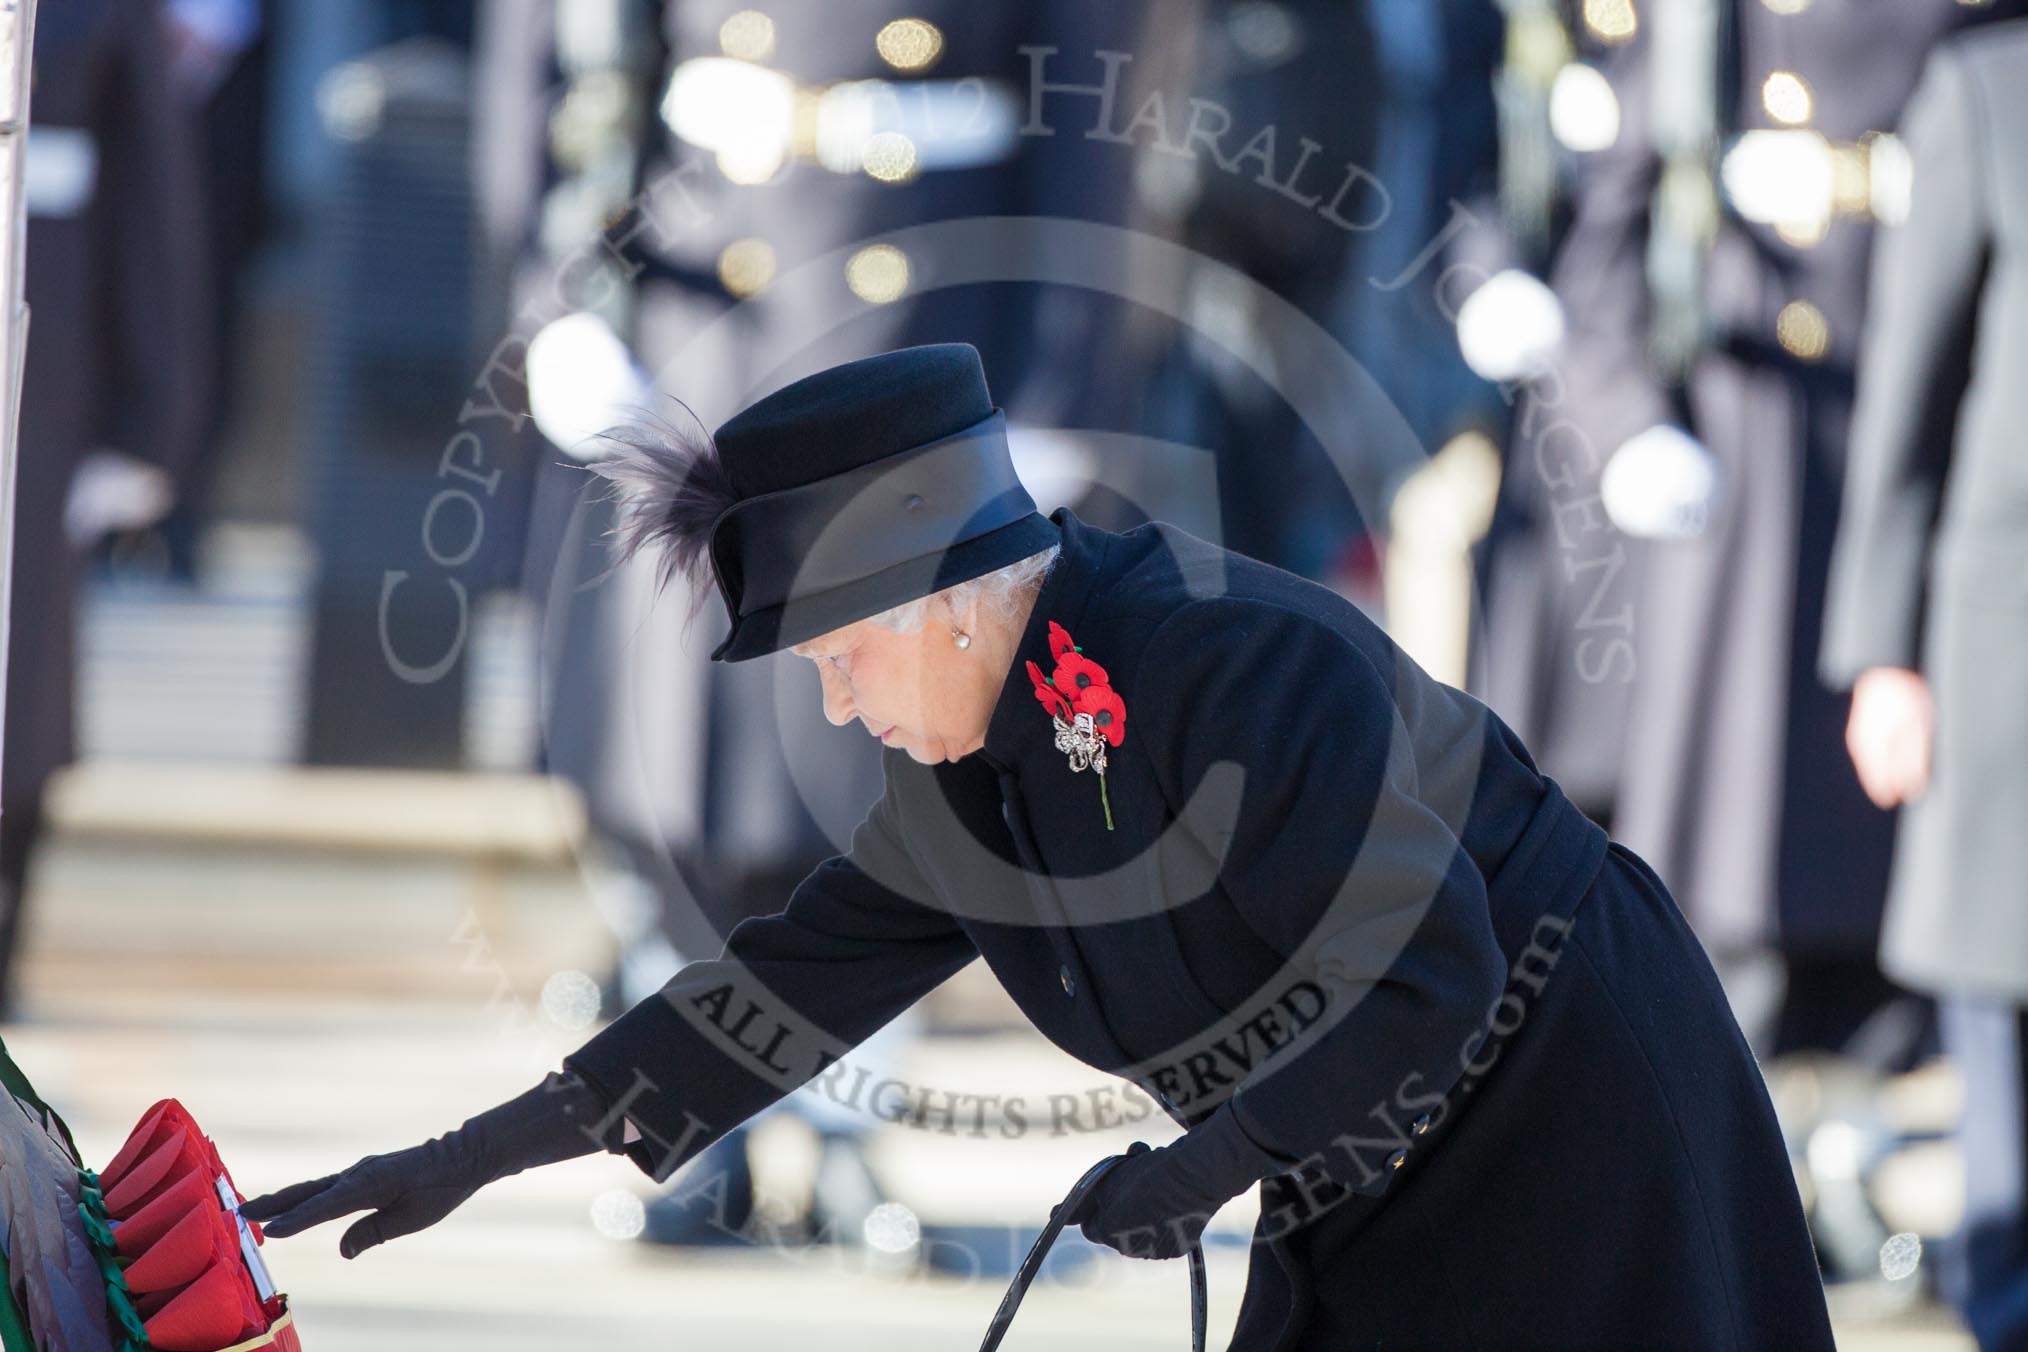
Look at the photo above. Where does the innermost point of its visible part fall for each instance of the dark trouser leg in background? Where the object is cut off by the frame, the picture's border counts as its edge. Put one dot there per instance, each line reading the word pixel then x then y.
pixel 1986 1265
pixel 20 826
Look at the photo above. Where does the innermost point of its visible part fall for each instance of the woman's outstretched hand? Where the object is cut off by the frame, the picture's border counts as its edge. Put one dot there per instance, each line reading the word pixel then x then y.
pixel 409 1190
pixel 405 1192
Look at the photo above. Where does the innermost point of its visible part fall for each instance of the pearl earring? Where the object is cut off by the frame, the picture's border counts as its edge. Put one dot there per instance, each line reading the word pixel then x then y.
pixel 960 637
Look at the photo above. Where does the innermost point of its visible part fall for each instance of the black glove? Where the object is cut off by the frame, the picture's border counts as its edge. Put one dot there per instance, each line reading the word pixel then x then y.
pixel 559 1119
pixel 1156 1203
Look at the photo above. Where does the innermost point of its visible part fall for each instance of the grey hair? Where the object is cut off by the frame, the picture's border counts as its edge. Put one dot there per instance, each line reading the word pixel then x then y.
pixel 1000 592
pixel 669 487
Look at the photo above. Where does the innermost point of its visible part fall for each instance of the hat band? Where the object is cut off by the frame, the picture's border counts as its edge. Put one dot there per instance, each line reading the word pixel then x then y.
pixel 914 504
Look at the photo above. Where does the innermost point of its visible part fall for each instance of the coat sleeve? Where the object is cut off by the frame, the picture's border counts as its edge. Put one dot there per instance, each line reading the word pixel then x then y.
pixel 1338 842
pixel 790 994
pixel 1927 273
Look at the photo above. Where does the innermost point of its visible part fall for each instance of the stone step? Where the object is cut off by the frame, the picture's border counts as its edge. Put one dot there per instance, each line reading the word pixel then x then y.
pixel 214 873
pixel 498 817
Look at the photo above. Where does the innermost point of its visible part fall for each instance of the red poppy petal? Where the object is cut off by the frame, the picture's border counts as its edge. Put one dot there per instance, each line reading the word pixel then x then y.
pixel 151 1222
pixel 1093 698
pixel 164 1117
pixel 1108 711
pixel 1059 640
pixel 175 1155
pixel 184 1251
pixel 215 1310
pixel 1075 672
pixel 1053 700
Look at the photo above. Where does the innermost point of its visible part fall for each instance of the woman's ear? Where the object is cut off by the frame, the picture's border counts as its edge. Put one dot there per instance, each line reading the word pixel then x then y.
pixel 946 613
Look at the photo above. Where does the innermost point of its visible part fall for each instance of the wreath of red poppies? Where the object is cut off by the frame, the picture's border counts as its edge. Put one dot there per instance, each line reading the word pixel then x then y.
pixel 1086 712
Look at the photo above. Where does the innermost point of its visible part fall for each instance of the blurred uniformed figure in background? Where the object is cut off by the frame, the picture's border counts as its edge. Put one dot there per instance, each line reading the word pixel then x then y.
pixel 1380 118
pixel 118 367
pixel 1438 150
pixel 1685 454
pixel 1436 147
pixel 220 55
pixel 690 196
pixel 1551 655
pixel 1928 621
pixel 1717 266
pixel 1309 69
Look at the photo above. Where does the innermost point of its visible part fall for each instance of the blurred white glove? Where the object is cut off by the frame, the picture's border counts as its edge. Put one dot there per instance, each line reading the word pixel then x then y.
pixel 1661 485
pixel 1511 328
pixel 582 380
pixel 110 491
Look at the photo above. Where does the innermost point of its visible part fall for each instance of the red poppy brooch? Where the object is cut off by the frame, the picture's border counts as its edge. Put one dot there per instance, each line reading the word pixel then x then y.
pixel 1087 713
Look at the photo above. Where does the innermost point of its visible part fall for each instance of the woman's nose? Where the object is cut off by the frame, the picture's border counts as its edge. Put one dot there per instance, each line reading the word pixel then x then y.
pixel 837 705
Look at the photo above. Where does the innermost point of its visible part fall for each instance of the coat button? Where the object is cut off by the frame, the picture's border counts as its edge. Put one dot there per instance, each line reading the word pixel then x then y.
pixel 1803 331
pixel 1063 975
pixel 1421 1124
pixel 1787 98
pixel 1397 1159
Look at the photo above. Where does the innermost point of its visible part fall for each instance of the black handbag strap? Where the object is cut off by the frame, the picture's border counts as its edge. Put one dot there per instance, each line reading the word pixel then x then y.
pixel 1060 1214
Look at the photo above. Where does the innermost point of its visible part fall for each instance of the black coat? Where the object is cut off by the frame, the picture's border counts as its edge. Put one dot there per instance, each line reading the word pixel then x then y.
pixel 1339 891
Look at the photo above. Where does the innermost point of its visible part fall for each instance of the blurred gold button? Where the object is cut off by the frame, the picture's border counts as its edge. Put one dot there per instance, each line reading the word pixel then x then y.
pixel 1802 330
pixel 1852 177
pixel 1807 234
pixel 746 266
pixel 889 156
pixel 747 36
pixel 1611 20
pixel 877 274
pixel 1786 98
pixel 909 45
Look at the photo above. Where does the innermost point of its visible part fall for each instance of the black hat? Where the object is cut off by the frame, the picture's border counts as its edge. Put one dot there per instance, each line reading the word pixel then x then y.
pixel 863 487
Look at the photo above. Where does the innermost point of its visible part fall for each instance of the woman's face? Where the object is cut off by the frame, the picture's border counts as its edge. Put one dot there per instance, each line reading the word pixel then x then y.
pixel 918 691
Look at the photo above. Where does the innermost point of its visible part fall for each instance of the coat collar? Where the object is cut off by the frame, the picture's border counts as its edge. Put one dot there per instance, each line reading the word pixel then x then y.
pixel 1018 734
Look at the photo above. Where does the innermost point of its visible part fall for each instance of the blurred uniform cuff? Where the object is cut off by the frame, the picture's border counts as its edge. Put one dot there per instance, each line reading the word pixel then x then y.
pixel 581 381
pixel 1510 328
pixel 114 491
pixel 1661 485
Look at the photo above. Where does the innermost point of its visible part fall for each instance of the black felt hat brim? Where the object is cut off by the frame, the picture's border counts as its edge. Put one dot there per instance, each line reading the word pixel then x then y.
pixel 774 628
